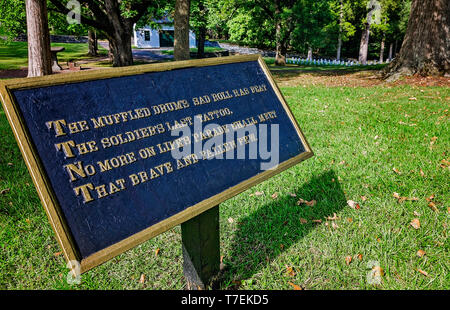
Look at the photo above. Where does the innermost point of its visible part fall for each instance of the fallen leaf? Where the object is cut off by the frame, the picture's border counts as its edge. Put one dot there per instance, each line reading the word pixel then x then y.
pixel 423 272
pixel 282 246
pixel 349 219
pixel 433 207
pixel 378 271
pixel 416 213
pixel 415 223
pixel 359 257
pixel 230 220
pixel 274 195
pixel 257 194
pixel 311 203
pixel 300 201
pixel 401 199
pixel 4 191
pixel 303 221
pixel 27 220
pixel 396 170
pixel 334 225
pixel 445 163
pixel 412 98
pixel 317 221
pixel 142 279
pixel 57 254
pixel 348 260
pixel 353 204
pixel 429 198
pixel 421 173
pixel 157 251
pixel 306 202
pixel 290 271
pixel 295 286
pixel 363 198
pixel 421 253
pixel 333 218
pixel 10 164
pixel 292 195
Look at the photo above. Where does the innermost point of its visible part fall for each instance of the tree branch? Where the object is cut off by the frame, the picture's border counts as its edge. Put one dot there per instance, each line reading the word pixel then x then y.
pixel 62 9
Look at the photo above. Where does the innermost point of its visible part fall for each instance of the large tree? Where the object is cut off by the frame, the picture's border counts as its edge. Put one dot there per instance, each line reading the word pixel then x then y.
pixel 426 45
pixel 373 15
pixel 114 19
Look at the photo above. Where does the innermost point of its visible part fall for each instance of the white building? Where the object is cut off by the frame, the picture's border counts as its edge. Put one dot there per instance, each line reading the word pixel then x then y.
pixel 162 36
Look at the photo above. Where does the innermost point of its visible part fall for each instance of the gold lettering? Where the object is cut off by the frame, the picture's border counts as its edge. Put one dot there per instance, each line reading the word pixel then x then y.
pixel 56 125
pixel 84 190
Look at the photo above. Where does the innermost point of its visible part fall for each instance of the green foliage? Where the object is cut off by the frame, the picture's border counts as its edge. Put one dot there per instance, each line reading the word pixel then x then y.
pixel 313 26
pixel 12 18
pixel 308 23
pixel 158 10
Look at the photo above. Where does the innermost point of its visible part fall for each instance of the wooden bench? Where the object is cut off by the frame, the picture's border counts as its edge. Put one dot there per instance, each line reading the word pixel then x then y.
pixel 55 50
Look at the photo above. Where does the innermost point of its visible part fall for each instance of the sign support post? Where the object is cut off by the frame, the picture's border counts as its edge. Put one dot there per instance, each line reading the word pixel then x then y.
pixel 201 249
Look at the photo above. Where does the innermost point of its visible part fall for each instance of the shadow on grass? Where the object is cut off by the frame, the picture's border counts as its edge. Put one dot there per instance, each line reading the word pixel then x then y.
pixel 274 227
pixel 295 70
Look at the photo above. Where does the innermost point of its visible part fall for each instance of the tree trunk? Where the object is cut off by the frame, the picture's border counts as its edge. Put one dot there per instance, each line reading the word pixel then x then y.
pixel 39 55
pixel 201 35
pixel 280 54
pixel 364 45
pixel 120 48
pixel 382 50
pixel 201 42
pixel 309 53
pixel 92 43
pixel 391 46
pixel 426 45
pixel 181 26
pixel 119 35
pixel 341 20
pixel 281 50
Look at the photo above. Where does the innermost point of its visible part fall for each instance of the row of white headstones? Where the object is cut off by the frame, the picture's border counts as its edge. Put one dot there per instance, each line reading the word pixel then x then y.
pixel 325 62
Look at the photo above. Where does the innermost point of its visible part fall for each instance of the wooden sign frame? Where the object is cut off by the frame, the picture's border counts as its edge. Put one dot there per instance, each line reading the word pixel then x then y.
pixel 46 193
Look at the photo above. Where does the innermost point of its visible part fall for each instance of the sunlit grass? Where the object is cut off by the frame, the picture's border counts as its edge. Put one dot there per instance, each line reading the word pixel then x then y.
pixel 14 55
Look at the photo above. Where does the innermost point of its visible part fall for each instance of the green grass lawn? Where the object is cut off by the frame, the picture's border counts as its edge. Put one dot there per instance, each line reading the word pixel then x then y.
pixel 369 143
pixel 14 54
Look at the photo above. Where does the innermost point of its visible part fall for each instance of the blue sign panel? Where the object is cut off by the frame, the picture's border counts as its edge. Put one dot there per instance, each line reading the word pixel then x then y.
pixel 125 153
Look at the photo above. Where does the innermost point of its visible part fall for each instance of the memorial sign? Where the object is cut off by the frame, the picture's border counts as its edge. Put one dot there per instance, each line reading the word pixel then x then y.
pixel 119 156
